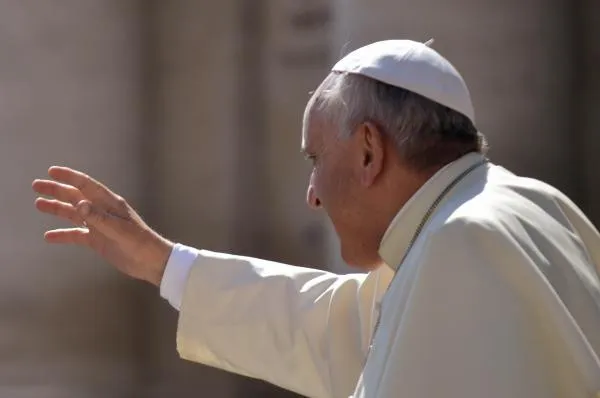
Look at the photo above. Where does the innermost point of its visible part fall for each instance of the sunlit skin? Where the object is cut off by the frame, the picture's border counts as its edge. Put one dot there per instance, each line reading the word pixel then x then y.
pixel 113 229
pixel 359 181
pixel 361 184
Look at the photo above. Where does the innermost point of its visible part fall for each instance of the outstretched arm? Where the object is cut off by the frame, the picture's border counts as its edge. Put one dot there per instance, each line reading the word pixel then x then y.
pixel 303 329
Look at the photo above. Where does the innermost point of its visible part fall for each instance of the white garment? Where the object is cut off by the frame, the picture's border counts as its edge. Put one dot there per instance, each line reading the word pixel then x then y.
pixel 499 296
pixel 176 273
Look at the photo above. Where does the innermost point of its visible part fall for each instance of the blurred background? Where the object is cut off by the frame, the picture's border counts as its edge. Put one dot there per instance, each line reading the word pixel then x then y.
pixel 192 110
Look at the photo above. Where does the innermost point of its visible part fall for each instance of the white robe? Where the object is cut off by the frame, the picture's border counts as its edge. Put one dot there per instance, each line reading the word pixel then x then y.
pixel 498 296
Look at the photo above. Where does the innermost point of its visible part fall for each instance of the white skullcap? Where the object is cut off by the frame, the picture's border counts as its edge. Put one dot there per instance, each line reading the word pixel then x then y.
pixel 412 66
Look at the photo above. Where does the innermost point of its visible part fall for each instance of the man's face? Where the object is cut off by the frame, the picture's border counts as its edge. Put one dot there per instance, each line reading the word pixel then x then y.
pixel 337 185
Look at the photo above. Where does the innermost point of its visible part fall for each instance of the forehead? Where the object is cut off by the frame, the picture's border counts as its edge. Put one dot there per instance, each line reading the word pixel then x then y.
pixel 312 122
pixel 312 129
pixel 315 126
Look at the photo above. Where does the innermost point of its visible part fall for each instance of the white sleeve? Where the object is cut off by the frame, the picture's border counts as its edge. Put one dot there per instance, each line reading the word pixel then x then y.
pixel 303 329
pixel 176 273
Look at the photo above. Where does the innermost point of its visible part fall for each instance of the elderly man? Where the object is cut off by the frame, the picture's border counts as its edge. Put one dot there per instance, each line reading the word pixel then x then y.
pixel 475 282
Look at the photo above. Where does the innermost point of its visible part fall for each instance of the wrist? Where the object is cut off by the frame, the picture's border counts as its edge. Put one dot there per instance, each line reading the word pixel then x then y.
pixel 159 256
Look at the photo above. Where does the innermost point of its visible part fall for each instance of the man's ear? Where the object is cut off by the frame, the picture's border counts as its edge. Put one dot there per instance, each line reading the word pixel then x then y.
pixel 371 146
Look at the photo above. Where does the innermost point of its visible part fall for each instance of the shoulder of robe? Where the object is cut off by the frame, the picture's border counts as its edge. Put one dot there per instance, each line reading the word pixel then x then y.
pixel 463 224
pixel 469 236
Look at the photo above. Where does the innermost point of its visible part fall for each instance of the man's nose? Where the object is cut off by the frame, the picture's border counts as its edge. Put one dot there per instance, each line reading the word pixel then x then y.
pixel 311 198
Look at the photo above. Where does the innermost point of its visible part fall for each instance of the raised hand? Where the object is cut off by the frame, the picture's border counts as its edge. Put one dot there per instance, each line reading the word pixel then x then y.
pixel 103 221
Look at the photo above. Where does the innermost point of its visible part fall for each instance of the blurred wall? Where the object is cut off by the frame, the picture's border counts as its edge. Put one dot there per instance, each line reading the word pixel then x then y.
pixel 587 101
pixel 193 112
pixel 69 94
pixel 191 76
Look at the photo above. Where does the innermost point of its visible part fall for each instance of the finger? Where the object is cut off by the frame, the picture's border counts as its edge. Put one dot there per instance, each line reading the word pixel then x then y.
pixel 77 236
pixel 88 186
pixel 60 209
pixel 109 225
pixel 62 192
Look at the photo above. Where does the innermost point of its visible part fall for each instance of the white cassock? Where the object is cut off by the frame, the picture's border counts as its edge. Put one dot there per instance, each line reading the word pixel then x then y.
pixel 491 289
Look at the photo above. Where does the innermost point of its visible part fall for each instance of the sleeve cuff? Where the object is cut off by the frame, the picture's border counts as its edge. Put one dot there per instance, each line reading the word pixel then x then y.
pixel 176 273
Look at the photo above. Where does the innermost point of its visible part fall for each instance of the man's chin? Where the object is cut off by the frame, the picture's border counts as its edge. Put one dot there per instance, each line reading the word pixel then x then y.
pixel 361 262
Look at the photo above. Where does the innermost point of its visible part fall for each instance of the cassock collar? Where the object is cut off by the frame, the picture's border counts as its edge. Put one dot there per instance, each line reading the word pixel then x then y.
pixel 397 238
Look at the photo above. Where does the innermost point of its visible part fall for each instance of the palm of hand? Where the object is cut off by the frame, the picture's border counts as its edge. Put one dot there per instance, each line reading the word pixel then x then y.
pixel 103 222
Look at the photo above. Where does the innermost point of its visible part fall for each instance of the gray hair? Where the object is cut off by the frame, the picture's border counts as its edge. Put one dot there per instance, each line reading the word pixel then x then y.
pixel 425 133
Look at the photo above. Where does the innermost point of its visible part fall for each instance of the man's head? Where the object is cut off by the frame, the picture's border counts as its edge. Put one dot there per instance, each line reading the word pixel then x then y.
pixel 373 145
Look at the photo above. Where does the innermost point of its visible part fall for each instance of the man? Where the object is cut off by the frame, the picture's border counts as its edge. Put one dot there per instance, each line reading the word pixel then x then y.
pixel 474 283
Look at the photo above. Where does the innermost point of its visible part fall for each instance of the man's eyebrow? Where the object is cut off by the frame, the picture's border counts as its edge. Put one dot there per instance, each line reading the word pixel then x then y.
pixel 305 152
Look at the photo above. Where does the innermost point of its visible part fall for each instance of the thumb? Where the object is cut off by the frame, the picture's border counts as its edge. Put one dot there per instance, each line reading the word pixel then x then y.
pixel 97 219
